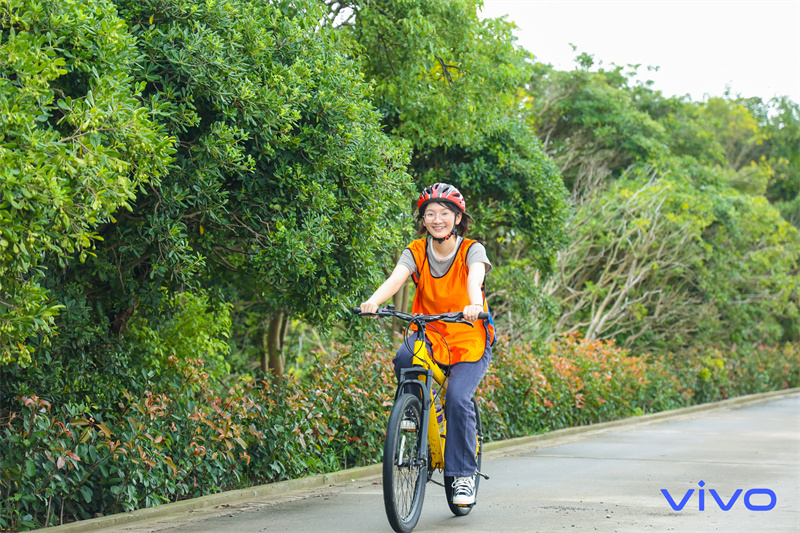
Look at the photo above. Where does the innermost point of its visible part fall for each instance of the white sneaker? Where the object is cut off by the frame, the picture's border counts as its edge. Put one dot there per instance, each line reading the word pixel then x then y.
pixel 464 490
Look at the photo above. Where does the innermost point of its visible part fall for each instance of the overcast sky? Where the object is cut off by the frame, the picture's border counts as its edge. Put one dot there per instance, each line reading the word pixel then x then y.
pixel 700 46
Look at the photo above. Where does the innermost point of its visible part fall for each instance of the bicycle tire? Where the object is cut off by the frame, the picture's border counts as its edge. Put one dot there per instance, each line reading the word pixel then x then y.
pixel 463 510
pixel 404 478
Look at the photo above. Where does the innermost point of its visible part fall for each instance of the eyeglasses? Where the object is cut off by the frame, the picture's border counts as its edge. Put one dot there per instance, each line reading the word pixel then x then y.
pixel 444 216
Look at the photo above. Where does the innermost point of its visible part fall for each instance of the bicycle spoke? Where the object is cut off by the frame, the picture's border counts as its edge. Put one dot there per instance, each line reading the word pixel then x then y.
pixel 406 470
pixel 406 476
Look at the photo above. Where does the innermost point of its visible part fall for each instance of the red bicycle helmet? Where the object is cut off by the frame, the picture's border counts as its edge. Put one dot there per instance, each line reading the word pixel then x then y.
pixel 442 192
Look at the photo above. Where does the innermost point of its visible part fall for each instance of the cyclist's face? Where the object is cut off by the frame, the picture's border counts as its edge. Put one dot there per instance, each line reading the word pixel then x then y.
pixel 439 219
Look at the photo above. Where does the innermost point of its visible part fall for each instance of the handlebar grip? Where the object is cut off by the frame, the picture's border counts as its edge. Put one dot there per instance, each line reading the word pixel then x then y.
pixel 356 310
pixel 483 316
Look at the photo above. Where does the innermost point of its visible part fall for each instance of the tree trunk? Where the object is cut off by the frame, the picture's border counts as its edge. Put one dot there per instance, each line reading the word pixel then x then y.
pixel 119 324
pixel 282 339
pixel 264 351
pixel 405 293
pixel 401 304
pixel 274 344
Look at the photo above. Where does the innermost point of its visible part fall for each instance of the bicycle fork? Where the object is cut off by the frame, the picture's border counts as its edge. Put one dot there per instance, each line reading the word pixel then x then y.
pixel 420 378
pixel 430 372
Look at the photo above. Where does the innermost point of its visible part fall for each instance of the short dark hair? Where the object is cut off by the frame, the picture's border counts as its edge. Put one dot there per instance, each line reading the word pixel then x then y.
pixel 461 229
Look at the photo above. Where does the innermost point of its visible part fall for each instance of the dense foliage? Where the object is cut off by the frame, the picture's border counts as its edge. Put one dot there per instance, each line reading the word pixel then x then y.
pixel 675 244
pixel 175 435
pixel 447 82
pixel 193 194
pixel 76 142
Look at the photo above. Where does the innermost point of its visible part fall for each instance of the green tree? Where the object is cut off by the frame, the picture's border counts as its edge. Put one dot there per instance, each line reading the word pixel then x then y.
pixel 442 75
pixel 76 142
pixel 706 282
pixel 661 264
pixel 780 121
pixel 283 178
pixel 590 123
pixel 447 82
pixel 630 271
pixel 751 272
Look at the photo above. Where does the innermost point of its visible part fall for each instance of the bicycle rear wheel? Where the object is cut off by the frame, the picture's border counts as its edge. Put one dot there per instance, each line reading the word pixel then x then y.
pixel 404 476
pixel 460 510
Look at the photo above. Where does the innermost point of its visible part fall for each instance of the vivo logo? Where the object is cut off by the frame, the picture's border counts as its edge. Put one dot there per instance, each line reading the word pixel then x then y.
pixel 725 506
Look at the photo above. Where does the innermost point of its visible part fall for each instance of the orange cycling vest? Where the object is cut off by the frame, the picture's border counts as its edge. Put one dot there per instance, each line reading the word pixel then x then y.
pixel 458 342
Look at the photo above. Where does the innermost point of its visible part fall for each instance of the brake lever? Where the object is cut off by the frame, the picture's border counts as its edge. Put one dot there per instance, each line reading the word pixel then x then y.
pixel 460 319
pixel 380 312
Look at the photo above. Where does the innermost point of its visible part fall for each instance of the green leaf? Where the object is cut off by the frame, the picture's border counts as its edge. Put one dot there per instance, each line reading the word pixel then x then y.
pixel 87 493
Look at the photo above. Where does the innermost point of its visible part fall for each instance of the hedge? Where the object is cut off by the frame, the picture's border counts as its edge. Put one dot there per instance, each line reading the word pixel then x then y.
pixel 185 435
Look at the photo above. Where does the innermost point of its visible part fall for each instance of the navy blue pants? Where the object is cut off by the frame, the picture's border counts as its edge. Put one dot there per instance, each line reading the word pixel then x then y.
pixel 460 448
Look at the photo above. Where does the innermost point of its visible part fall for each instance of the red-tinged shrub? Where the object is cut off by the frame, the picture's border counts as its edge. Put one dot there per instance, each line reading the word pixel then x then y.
pixel 512 394
pixel 336 417
pixel 190 438
pixel 186 436
pixel 529 389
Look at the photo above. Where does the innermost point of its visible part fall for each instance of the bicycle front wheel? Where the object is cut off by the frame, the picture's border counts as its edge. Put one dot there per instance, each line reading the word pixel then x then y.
pixel 404 475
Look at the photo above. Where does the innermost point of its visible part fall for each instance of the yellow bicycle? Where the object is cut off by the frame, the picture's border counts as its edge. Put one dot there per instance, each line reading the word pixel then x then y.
pixel 417 430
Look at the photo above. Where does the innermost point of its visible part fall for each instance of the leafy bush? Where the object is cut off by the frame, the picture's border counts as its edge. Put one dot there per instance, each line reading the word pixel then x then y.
pixel 184 326
pixel 571 382
pixel 716 373
pixel 663 390
pixel 183 437
pixel 532 389
pixel 182 434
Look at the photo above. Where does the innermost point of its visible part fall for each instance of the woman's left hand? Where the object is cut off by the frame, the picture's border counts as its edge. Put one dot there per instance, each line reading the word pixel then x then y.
pixel 471 312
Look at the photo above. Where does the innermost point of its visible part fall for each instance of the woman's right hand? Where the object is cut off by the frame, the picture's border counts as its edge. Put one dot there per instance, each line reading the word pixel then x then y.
pixel 368 307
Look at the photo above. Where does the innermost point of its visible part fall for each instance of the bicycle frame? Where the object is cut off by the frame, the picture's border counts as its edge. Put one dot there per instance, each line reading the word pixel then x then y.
pixel 432 373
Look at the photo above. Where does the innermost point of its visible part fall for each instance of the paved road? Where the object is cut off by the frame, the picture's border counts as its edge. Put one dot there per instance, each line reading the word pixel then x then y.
pixel 609 481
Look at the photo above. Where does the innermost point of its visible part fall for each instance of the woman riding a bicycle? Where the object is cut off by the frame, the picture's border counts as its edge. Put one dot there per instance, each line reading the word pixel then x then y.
pixel 448 270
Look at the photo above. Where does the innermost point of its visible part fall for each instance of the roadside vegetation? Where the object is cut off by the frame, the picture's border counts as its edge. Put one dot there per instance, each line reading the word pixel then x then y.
pixel 193 195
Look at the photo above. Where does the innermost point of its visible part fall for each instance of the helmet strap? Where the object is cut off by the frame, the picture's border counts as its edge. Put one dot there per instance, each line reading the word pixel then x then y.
pixel 453 232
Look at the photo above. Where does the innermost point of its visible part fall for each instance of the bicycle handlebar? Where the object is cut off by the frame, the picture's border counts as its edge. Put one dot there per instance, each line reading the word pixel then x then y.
pixel 418 318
